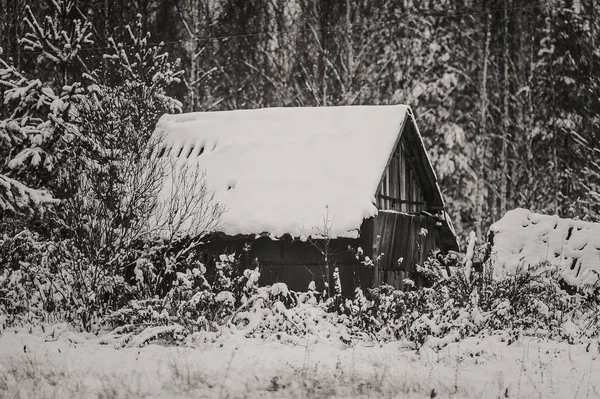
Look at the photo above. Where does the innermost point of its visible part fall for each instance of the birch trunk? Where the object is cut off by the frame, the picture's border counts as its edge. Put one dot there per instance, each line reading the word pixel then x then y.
pixel 505 123
pixel 480 195
pixel 349 49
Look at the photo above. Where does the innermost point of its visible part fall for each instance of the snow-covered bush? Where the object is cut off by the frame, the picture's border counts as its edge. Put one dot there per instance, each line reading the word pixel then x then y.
pixel 43 280
pixel 198 297
pixel 82 132
pixel 454 307
pixel 458 306
pixel 268 317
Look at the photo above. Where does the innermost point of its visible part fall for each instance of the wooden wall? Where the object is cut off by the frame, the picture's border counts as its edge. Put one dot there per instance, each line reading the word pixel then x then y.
pixel 399 235
pixel 395 235
pixel 399 189
pixel 297 263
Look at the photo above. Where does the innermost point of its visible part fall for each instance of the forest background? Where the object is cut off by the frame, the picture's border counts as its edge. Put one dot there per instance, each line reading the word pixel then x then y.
pixel 506 92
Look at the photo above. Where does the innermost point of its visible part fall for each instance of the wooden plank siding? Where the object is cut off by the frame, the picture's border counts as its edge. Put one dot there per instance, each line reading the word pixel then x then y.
pixel 403 241
pixel 400 189
pixel 297 262
pixel 401 173
pixel 401 233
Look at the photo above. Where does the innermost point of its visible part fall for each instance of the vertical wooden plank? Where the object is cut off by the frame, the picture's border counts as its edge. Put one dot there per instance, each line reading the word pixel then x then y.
pixel 405 178
pixel 400 178
pixel 387 187
pixel 417 192
pixel 415 189
pixel 376 269
pixel 396 173
pixel 379 223
pixel 380 240
pixel 390 235
pixel 395 238
pixel 376 241
pixel 394 181
pixel 383 191
pixel 388 182
pixel 416 183
pixel 367 243
pixel 420 197
pixel 411 247
pixel 403 242
pixel 391 240
pixel 410 190
pixel 400 240
pixel 407 242
pixel 407 173
pixel 419 248
pixel 402 276
pixel 385 242
pixel 400 173
pixel 407 188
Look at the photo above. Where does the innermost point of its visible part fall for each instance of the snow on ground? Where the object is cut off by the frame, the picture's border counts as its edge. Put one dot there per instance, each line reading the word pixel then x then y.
pixel 525 238
pixel 73 365
pixel 276 169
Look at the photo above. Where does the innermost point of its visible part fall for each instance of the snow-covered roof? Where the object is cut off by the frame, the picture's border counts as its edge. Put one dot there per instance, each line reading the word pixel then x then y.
pixel 525 238
pixel 281 170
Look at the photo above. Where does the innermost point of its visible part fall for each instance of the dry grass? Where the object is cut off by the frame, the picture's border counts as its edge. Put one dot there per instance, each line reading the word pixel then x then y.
pixel 30 378
pixel 536 369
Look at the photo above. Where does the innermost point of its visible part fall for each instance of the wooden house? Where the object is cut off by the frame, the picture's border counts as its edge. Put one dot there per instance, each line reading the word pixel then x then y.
pixel 306 188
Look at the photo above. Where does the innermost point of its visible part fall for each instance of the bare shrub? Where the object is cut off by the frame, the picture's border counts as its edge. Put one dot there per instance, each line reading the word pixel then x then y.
pixel 122 205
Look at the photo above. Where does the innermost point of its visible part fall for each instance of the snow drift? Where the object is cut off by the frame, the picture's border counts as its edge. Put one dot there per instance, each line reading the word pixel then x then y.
pixel 525 238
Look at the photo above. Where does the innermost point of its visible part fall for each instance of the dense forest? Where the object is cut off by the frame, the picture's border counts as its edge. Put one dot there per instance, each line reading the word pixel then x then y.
pixel 506 92
pixel 106 230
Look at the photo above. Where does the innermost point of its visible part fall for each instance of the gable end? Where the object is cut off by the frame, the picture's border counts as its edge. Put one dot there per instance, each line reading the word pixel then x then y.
pixel 408 183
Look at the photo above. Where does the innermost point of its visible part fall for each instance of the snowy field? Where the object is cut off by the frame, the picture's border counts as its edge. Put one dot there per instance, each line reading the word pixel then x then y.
pixel 67 364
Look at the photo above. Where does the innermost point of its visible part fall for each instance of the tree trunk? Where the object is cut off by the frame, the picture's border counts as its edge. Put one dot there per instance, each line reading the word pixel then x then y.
pixel 349 50
pixel 324 33
pixel 189 15
pixel 505 122
pixel 481 147
pixel 193 55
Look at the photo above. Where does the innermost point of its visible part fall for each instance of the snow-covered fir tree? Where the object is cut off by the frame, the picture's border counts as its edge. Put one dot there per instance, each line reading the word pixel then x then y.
pixel 43 131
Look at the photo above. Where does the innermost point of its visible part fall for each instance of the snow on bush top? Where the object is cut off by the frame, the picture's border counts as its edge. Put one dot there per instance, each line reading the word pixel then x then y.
pixel 276 170
pixel 526 238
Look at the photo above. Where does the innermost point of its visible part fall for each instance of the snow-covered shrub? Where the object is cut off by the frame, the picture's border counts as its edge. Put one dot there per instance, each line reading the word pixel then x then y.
pixel 43 280
pixel 198 298
pixel 456 307
pixel 458 304
pixel 226 300
pixel 81 131
pixel 277 313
